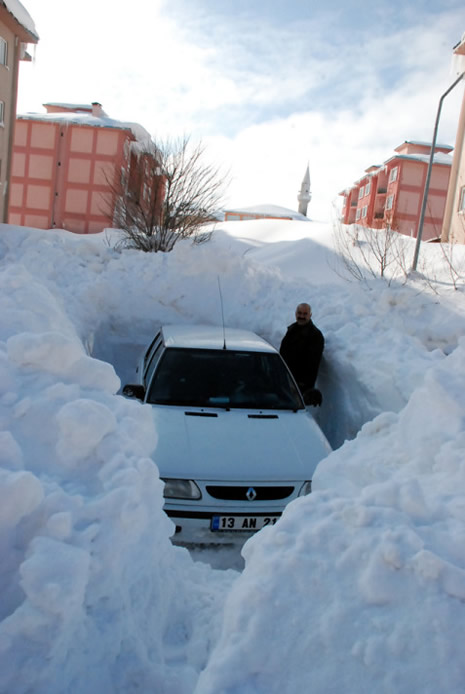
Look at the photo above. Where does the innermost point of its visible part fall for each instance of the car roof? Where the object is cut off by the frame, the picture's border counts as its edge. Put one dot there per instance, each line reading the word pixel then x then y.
pixel 213 337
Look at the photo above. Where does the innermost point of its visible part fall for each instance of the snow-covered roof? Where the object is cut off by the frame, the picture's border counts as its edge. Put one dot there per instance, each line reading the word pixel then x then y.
pixel 84 118
pixel 439 158
pixel 367 175
pixel 70 107
pixel 269 211
pixel 22 16
pixel 424 144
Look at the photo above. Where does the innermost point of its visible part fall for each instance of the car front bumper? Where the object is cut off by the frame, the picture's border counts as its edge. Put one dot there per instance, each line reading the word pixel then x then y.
pixel 195 527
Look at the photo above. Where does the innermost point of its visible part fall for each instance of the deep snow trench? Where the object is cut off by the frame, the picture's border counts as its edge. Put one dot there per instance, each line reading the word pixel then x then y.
pixel 346 407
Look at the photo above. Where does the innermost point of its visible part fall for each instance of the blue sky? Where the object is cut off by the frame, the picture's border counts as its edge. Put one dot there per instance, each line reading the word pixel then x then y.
pixel 268 86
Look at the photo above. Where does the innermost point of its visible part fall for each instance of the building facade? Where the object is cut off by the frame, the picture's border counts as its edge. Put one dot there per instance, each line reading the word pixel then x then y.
pixel 391 195
pixel 453 229
pixel 16 31
pixel 67 167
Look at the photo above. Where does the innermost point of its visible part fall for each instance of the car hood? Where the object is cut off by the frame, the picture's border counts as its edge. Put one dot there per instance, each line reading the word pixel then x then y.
pixel 237 444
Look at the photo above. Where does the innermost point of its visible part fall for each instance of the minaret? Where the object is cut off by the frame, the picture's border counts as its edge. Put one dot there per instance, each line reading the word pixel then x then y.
pixel 304 195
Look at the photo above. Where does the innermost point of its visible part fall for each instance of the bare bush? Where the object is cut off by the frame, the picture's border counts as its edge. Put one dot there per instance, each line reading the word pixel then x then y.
pixel 170 194
pixel 366 254
pixel 456 268
pixel 370 253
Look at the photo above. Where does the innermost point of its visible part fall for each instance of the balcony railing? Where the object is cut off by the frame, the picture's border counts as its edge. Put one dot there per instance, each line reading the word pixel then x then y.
pixel 381 191
pixel 379 215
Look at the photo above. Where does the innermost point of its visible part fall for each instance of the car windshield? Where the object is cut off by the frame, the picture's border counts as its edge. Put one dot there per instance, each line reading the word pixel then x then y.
pixel 223 378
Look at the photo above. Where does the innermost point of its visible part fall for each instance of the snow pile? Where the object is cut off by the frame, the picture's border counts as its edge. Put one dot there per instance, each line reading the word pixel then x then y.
pixel 360 586
pixel 94 596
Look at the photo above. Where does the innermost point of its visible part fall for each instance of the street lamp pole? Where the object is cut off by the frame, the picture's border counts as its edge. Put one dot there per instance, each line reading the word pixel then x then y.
pixel 428 174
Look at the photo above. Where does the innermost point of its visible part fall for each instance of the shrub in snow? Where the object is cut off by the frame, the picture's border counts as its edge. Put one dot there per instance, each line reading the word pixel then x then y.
pixel 182 193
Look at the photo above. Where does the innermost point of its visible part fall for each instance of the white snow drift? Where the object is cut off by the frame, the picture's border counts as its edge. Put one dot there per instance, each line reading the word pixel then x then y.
pixel 359 588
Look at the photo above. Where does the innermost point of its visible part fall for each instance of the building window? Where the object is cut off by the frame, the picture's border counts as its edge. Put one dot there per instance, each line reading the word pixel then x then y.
pixel 364 211
pixel 360 193
pixel 357 215
pixel 3 51
pixel 462 200
pixel 2 112
pixel 393 175
pixel 389 202
pixel 368 188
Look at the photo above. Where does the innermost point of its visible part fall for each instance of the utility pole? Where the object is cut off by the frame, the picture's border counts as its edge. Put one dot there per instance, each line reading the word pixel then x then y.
pixel 428 174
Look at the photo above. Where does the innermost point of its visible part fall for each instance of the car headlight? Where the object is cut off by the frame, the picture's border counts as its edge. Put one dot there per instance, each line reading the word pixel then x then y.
pixel 306 488
pixel 181 489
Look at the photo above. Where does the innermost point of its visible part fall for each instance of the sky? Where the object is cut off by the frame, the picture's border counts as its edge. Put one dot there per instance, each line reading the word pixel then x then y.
pixel 269 87
pixel 359 587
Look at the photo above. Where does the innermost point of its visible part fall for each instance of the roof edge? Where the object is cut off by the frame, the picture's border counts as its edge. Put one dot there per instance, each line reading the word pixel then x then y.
pixel 27 34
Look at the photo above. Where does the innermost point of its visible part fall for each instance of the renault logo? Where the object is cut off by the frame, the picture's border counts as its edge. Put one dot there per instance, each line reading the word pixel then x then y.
pixel 251 494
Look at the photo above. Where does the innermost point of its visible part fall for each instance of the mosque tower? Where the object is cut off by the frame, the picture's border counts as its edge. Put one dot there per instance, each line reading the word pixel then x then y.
pixel 304 195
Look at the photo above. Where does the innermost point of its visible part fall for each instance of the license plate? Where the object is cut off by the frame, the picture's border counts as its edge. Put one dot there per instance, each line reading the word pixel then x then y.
pixel 244 523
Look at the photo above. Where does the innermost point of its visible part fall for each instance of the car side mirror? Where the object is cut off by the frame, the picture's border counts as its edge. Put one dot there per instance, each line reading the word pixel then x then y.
pixel 134 391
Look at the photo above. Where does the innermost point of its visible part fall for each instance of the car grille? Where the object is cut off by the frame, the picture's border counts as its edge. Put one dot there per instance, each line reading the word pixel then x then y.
pixel 240 493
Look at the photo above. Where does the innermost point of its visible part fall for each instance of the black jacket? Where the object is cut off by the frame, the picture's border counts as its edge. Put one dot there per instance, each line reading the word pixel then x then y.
pixel 301 348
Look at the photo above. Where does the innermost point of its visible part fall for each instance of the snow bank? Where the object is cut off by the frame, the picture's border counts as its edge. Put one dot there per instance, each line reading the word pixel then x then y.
pixel 94 595
pixel 359 587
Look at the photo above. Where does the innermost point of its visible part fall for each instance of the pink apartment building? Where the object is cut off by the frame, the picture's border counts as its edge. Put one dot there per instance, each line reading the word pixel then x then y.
pixel 392 194
pixel 66 163
pixel 17 30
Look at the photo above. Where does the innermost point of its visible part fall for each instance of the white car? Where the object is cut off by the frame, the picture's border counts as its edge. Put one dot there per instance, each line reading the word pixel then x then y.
pixel 236 443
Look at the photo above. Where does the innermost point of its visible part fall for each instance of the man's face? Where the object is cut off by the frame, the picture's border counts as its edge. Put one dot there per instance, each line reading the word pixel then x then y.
pixel 302 314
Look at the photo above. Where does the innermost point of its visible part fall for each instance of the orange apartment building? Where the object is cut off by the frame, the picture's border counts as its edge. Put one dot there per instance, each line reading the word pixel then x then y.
pixel 392 194
pixel 16 31
pixel 66 164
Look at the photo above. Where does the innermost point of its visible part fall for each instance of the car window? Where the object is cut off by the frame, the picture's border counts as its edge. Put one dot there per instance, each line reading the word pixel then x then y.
pixel 152 362
pixel 223 378
pixel 149 353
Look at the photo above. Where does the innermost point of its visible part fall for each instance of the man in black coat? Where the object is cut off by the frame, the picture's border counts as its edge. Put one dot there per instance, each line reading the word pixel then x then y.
pixel 301 348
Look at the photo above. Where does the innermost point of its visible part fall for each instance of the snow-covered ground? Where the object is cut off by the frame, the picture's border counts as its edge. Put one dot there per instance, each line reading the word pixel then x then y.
pixel 359 588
